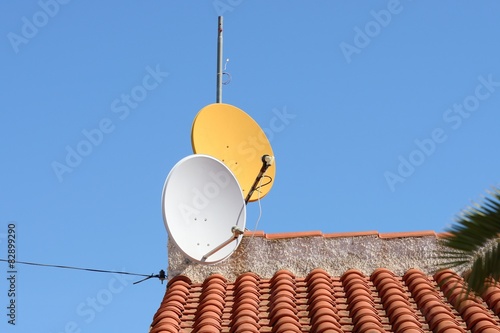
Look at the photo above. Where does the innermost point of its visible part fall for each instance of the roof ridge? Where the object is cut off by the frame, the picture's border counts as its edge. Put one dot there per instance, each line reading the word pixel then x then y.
pixel 317 233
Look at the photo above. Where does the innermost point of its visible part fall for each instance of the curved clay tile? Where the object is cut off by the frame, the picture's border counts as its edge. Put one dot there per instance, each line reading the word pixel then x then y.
pixel 358 289
pixel 486 327
pixel 369 327
pixel 245 316
pixel 366 314
pixel 491 292
pixel 352 272
pixel 437 314
pixel 208 322
pixel 322 305
pixel 325 327
pixel 320 314
pixel 422 287
pixel 212 299
pixel 395 301
pixel 432 303
pixel 317 295
pixel 282 303
pixel 389 286
pixel 318 276
pixel 248 291
pixel 360 301
pixel 237 325
pixel 424 292
pixel 414 278
pixel 163 328
pixel 248 276
pixel 245 306
pixel 393 295
pixel 281 281
pixel 408 327
pixel 411 330
pixel 316 273
pixel 403 311
pixel 397 306
pixel 170 322
pixel 213 289
pixel 286 328
pixel 447 327
pixel 478 317
pixel 319 284
pixel 245 328
pixel 179 280
pixel 407 320
pixel 492 297
pixel 381 273
pixel 282 274
pixel 353 276
pixel 474 314
pixel 167 318
pixel 175 303
pixel 284 315
pixel 362 305
pixel 208 317
pixel 251 291
pixel 211 305
pixel 283 290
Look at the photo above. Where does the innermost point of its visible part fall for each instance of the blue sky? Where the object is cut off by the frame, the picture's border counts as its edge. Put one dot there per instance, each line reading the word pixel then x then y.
pixel 382 115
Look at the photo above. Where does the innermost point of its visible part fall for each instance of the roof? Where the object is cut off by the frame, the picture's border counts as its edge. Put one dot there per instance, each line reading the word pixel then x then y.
pixel 326 301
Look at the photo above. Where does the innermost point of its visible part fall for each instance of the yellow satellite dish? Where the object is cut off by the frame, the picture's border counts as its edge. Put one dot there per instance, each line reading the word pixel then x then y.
pixel 233 137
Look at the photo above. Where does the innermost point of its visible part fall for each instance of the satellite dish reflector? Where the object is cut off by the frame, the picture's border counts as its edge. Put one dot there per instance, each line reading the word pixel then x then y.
pixel 203 208
pixel 232 136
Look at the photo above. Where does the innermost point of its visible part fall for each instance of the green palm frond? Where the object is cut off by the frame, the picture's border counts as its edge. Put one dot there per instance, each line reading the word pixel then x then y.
pixel 473 243
pixel 486 266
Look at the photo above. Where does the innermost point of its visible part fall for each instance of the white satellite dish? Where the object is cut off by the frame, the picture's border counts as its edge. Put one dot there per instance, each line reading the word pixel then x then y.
pixel 203 208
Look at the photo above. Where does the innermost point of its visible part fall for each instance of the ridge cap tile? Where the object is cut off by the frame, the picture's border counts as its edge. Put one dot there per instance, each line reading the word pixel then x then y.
pixel 349 234
pixel 346 234
pixel 408 234
pixel 296 234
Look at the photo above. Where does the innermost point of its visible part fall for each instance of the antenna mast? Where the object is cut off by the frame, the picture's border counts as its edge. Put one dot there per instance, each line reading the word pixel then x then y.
pixel 218 98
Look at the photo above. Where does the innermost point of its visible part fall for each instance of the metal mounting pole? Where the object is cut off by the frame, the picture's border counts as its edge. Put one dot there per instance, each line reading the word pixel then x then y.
pixel 236 233
pixel 218 98
pixel 267 161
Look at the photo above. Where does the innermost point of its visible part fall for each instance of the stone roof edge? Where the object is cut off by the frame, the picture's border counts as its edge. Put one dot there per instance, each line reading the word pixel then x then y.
pixel 300 252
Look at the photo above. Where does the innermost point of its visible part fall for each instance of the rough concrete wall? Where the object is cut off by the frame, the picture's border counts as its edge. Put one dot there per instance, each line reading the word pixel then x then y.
pixel 300 255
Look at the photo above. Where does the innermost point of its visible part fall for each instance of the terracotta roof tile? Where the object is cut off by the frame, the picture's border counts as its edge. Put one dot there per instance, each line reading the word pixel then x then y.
pixel 353 302
pixel 408 234
pixel 471 309
pixel 351 234
pixel 364 282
